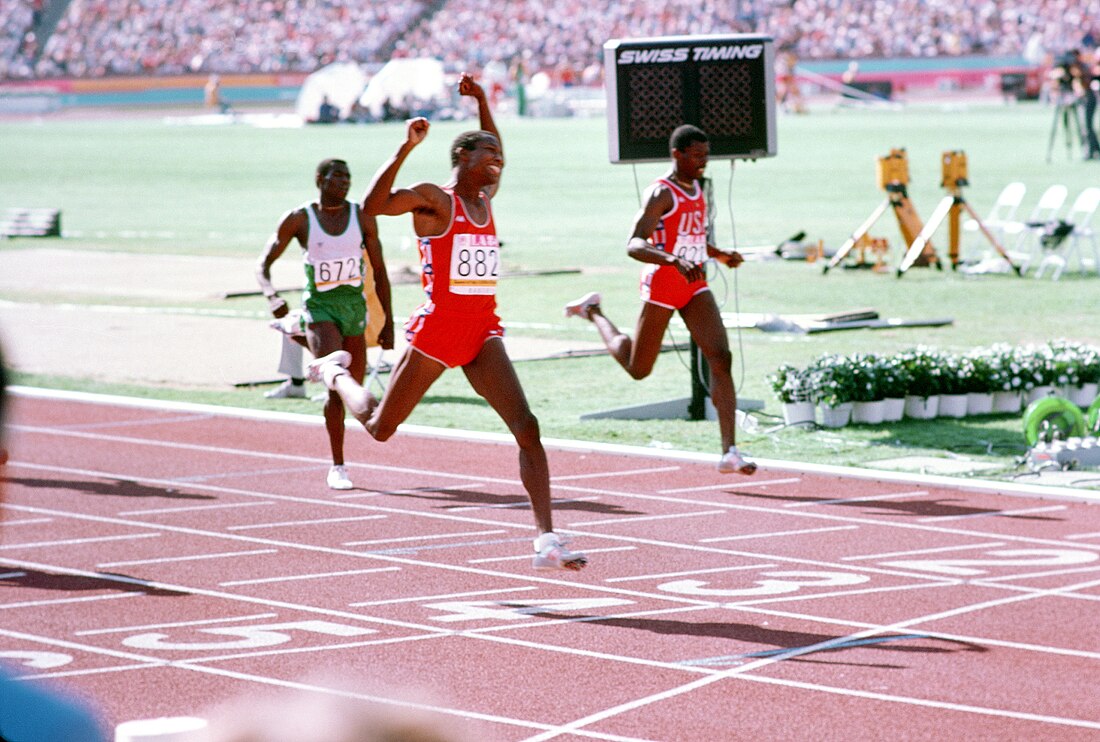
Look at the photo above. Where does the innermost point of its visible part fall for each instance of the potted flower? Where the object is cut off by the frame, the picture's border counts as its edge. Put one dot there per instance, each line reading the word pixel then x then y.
pixel 1072 364
pixel 953 386
pixel 893 384
pixel 925 368
pixel 982 379
pixel 868 401
pixel 1007 360
pixel 1088 375
pixel 793 388
pixel 834 389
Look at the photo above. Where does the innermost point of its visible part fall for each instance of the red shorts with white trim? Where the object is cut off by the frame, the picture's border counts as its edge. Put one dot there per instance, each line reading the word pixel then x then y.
pixel 667 287
pixel 452 338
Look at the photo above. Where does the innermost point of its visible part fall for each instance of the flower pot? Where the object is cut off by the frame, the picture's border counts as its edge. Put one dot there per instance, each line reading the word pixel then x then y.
pixel 922 408
pixel 979 403
pixel 798 412
pixel 836 417
pixel 869 413
pixel 1007 401
pixel 893 409
pixel 952 405
pixel 1083 395
pixel 1038 393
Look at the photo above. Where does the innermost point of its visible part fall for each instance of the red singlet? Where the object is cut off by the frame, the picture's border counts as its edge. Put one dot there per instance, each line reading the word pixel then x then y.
pixel 458 270
pixel 682 231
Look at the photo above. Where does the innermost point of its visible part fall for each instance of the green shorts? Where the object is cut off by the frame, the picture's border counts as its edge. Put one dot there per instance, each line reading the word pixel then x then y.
pixel 344 306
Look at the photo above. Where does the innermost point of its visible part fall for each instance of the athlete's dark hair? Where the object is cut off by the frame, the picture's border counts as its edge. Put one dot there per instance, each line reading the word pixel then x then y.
pixel 325 166
pixel 468 141
pixel 686 135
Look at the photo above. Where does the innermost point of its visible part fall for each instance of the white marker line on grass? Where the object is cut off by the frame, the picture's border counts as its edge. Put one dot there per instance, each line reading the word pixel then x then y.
pixel 188 558
pixel 1024 511
pixel 319 521
pixel 445 596
pixel 739 483
pixel 912 552
pixel 175 624
pixel 666 575
pixel 80 541
pixel 864 498
pixel 776 534
pixel 640 518
pixel 193 508
pixel 316 576
pixel 609 474
pixel 403 539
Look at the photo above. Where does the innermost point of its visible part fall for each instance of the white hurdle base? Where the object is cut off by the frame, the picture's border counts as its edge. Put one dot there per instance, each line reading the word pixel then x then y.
pixel 671 409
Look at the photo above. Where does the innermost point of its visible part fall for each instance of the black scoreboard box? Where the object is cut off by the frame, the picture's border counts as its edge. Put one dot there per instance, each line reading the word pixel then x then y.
pixel 725 85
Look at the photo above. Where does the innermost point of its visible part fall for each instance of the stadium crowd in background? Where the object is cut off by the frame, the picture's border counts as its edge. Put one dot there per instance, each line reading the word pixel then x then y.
pixel 562 38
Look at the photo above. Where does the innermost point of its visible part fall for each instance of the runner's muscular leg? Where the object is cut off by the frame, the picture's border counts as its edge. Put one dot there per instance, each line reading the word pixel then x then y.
pixel 636 356
pixel 704 322
pixel 492 376
pixel 324 338
pixel 409 381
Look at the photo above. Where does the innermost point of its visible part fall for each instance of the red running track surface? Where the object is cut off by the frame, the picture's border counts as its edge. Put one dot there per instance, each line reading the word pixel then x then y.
pixel 160 560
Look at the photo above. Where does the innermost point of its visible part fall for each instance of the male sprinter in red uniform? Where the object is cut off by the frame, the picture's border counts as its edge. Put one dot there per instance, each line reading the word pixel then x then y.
pixel 457 325
pixel 670 237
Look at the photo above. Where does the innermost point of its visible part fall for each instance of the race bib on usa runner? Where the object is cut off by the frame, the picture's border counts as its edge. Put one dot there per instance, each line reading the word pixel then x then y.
pixel 692 247
pixel 475 264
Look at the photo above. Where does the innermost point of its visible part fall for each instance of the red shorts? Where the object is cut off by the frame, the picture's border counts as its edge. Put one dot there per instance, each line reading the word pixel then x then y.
pixel 667 287
pixel 452 338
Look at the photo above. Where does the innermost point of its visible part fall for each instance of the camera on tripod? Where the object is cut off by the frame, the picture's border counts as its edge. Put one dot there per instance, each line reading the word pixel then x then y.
pixel 1067 69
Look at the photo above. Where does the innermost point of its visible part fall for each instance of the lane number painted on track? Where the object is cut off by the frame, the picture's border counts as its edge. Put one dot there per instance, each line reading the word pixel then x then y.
pixel 772 583
pixel 998 558
pixel 250 637
pixel 519 610
pixel 37 660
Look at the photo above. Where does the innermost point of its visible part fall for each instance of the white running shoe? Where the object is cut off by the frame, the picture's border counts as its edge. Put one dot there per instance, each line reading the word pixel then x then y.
pixel 582 307
pixel 339 359
pixel 287 390
pixel 735 461
pixel 550 553
pixel 338 478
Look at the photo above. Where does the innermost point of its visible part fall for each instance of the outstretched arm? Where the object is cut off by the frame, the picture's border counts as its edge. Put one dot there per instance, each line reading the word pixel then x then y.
pixel 294 223
pixel 381 196
pixel 467 85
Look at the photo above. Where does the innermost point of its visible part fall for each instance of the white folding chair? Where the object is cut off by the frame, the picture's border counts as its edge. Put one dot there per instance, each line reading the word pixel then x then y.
pixel 1003 211
pixel 1080 217
pixel 1027 232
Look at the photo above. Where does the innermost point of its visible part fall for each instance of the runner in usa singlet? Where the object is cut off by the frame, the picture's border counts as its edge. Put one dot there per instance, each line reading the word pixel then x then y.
pixel 681 232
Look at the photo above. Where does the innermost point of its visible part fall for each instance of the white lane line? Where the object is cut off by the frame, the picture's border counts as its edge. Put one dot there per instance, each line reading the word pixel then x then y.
pixel 249 473
pixel 65 601
pixel 403 539
pixel 176 624
pixel 912 552
pixel 864 498
pixel 26 522
pixel 665 575
pixel 640 518
pixel 319 521
pixel 487 560
pixel 524 503
pixel 744 670
pixel 993 513
pixel 609 474
pixel 80 541
pixel 739 483
pixel 188 558
pixel 193 508
pixel 776 534
pixel 316 576
pixel 12 575
pixel 1074 537
pixel 444 596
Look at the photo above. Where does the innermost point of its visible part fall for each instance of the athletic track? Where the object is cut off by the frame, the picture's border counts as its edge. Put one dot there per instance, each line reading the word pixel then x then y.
pixel 160 559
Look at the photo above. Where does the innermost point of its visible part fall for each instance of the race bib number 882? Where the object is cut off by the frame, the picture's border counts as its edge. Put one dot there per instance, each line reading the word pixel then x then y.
pixel 475 264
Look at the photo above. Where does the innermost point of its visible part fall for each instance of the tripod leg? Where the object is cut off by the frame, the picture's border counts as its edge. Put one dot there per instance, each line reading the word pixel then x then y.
pixel 1053 130
pixel 861 230
pixel 918 244
pixel 989 236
